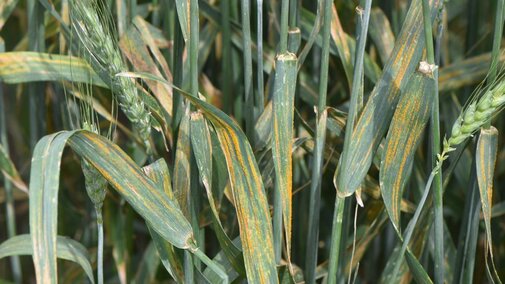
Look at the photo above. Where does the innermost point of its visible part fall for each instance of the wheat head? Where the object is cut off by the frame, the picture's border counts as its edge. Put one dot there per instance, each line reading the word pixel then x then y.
pixel 101 52
pixel 478 113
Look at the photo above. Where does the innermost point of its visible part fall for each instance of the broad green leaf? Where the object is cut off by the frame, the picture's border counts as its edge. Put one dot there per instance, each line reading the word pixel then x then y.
pixel 404 136
pixel 247 187
pixel 282 140
pixel 24 67
pixel 66 248
pixel 119 170
pixel 378 111
pixel 158 172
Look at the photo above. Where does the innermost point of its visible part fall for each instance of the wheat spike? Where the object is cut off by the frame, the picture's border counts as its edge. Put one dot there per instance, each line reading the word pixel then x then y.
pixel 103 55
pixel 475 116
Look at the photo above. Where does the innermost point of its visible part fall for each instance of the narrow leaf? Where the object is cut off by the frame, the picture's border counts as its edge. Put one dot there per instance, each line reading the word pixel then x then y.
pixel 282 142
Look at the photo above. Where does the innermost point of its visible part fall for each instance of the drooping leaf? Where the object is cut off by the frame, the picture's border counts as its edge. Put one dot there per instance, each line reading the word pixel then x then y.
pixel 119 170
pixel 247 189
pixel 66 248
pixel 404 136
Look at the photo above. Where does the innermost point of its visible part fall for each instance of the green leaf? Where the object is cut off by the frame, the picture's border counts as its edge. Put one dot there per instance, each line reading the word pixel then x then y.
pixel 377 113
pixel 66 248
pixel 282 140
pixel 404 136
pixel 24 67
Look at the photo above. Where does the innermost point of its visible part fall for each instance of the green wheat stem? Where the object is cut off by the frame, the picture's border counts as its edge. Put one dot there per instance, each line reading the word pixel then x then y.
pixel 259 55
pixel 497 37
pixel 217 268
pixel 283 45
pixel 356 94
pixel 227 66
pixel 178 73
pixel 99 222
pixel 317 162
pixel 435 144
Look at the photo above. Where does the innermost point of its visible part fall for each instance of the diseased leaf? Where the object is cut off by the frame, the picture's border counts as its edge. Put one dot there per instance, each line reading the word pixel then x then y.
pixel 158 173
pixel 247 189
pixel 202 148
pixel 378 111
pixel 119 170
pixel 485 161
pixel 405 134
pixel 182 165
pixel 24 67
pixel 282 140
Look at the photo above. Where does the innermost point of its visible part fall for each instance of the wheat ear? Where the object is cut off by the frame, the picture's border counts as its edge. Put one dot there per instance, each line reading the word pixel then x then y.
pixel 101 52
pixel 474 117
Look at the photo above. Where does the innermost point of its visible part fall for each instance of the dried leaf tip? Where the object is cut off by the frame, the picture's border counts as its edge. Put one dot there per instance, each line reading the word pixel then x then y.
pixel 426 68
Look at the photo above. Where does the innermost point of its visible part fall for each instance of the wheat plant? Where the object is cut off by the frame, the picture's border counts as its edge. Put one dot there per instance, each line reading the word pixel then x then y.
pixel 266 141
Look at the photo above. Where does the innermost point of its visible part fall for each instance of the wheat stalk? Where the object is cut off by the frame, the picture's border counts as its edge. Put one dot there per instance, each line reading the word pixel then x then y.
pixel 101 51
